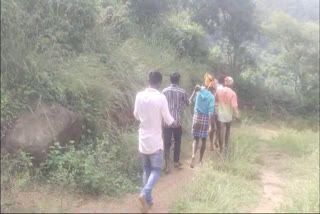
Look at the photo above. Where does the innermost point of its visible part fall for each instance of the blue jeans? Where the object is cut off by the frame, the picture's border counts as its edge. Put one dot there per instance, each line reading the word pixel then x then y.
pixel 152 164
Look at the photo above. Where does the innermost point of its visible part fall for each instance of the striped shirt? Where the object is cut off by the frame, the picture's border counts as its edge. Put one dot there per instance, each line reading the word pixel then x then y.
pixel 176 97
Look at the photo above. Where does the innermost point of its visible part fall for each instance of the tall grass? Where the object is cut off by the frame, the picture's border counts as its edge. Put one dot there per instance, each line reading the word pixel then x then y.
pixel 296 144
pixel 16 174
pixel 225 185
pixel 300 170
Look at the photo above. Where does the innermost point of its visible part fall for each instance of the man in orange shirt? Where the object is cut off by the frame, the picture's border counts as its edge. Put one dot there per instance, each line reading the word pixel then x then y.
pixel 227 107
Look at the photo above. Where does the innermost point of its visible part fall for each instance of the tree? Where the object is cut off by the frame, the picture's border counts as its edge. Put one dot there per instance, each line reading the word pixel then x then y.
pixel 238 26
pixel 230 23
pixel 300 44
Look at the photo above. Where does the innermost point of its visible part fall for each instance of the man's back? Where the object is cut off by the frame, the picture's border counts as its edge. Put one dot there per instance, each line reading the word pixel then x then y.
pixel 204 102
pixel 150 108
pixel 176 98
pixel 227 100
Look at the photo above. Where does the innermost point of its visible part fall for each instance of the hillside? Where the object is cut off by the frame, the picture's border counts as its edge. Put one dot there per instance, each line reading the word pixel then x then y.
pixel 91 57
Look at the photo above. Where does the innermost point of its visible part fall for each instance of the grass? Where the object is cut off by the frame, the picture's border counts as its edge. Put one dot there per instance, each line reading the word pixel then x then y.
pixel 225 185
pixel 300 170
pixel 294 143
pixel 231 185
pixel 102 88
pixel 15 175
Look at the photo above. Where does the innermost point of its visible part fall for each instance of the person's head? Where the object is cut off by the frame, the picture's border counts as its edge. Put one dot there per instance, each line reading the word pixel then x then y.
pixel 209 80
pixel 211 89
pixel 155 79
pixel 175 78
pixel 221 79
pixel 228 82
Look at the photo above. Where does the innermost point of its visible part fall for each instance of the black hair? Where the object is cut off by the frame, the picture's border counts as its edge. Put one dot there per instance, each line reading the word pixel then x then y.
pixel 221 78
pixel 155 77
pixel 175 78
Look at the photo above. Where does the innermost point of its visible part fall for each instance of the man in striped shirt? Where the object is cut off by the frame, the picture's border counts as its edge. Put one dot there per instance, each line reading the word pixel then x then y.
pixel 176 98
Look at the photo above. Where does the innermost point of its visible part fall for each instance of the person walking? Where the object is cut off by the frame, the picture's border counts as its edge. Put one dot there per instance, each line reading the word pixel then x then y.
pixel 202 118
pixel 176 98
pixel 227 107
pixel 151 107
pixel 214 133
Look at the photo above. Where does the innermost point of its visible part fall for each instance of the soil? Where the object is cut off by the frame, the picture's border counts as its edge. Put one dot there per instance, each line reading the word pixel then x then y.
pixel 166 191
pixel 271 182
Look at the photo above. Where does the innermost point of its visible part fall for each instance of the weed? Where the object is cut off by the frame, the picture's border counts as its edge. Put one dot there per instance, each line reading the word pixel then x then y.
pixel 16 173
pixel 300 169
pixel 225 185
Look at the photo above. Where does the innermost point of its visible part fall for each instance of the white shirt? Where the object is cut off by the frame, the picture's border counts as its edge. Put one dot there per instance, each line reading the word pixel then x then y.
pixel 150 108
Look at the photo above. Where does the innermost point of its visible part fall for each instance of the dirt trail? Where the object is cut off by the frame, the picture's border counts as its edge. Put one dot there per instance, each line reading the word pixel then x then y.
pixel 171 186
pixel 271 182
pixel 165 192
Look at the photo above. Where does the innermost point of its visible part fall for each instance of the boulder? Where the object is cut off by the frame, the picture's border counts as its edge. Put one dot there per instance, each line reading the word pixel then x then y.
pixel 35 132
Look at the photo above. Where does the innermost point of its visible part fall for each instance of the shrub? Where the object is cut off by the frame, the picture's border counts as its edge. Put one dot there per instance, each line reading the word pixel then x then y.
pixel 16 173
pixel 109 166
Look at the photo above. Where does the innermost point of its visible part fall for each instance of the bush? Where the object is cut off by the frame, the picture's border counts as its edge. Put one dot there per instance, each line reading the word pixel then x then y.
pixel 16 173
pixel 110 167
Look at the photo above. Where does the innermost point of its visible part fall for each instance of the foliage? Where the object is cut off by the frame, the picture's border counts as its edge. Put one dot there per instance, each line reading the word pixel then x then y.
pixel 299 54
pixel 301 169
pixel 148 11
pixel 90 169
pixel 188 35
pixel 224 185
pixel 93 56
pixel 296 143
pixel 16 173
pixel 305 10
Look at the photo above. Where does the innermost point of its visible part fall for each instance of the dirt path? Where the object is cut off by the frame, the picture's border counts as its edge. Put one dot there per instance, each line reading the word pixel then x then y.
pixel 168 189
pixel 170 186
pixel 271 182
pixel 165 192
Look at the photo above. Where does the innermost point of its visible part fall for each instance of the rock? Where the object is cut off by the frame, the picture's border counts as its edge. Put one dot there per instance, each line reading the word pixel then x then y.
pixel 35 132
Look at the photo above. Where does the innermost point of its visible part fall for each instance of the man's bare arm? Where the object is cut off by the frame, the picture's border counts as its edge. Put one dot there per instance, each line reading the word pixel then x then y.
pixel 197 88
pixel 236 112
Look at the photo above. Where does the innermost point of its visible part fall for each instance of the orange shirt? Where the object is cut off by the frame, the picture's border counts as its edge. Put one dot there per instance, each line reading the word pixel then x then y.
pixel 226 100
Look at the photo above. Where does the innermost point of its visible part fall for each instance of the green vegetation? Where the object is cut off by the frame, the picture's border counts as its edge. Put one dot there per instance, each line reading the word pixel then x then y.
pixel 16 174
pixel 225 185
pixel 89 170
pixel 231 184
pixel 300 169
pixel 93 56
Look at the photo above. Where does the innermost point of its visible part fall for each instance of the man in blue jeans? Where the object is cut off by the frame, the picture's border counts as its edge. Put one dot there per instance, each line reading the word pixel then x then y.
pixel 176 98
pixel 151 107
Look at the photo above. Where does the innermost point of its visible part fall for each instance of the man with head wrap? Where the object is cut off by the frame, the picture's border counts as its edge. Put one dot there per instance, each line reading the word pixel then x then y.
pixel 227 107
pixel 202 119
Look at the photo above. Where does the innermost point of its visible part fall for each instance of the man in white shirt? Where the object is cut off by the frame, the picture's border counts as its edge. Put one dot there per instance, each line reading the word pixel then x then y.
pixel 151 107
